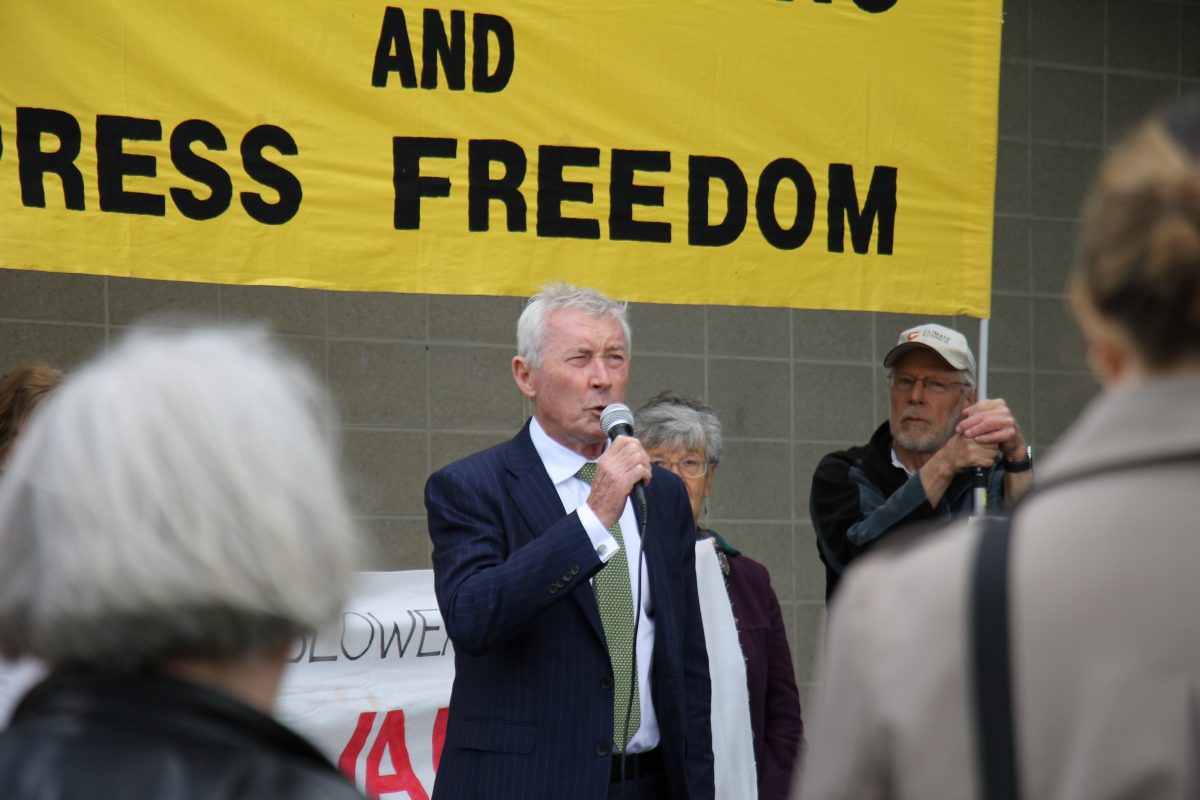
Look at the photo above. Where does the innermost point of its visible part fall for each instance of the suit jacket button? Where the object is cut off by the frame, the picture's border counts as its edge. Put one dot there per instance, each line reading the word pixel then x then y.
pixel 575 570
pixel 553 588
pixel 601 748
pixel 606 682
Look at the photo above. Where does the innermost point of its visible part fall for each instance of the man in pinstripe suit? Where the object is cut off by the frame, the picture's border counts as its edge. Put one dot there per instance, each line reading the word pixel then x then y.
pixel 518 539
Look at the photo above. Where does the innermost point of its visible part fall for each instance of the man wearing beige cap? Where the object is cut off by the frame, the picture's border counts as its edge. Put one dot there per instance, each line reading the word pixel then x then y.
pixel 919 465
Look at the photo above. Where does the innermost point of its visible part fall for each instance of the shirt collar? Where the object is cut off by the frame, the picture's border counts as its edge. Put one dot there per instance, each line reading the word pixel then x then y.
pixel 897 463
pixel 560 463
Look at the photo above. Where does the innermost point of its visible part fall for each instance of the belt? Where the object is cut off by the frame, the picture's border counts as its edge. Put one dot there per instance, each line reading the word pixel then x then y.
pixel 636 764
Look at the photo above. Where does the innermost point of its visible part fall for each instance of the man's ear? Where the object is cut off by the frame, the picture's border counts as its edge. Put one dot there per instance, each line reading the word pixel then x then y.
pixel 523 376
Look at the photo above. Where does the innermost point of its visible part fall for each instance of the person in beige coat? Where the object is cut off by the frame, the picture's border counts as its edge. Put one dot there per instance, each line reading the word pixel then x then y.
pixel 1104 580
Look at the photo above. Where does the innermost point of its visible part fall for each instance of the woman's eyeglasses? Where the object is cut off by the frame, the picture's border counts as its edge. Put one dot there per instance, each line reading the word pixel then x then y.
pixel 688 467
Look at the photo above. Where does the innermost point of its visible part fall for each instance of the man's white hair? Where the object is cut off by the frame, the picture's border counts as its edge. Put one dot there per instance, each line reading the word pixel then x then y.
pixel 177 497
pixel 531 326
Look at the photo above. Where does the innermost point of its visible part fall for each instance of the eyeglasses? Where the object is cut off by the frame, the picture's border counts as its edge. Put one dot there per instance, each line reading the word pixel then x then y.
pixel 904 384
pixel 687 468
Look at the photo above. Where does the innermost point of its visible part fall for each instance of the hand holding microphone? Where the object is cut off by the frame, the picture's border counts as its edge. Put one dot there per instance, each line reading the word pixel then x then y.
pixel 623 469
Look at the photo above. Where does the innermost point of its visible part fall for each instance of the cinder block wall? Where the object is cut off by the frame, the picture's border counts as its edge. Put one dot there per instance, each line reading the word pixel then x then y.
pixel 422 380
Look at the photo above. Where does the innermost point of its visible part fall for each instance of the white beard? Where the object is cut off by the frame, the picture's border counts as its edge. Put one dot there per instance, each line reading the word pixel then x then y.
pixel 928 442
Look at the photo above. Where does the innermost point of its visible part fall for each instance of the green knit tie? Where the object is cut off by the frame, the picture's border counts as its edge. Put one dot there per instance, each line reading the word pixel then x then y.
pixel 616 612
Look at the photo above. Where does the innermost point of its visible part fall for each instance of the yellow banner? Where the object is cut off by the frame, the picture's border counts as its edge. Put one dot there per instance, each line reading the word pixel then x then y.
pixel 803 153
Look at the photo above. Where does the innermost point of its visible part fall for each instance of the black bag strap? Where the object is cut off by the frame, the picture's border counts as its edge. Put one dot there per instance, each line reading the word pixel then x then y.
pixel 995 736
pixel 990 633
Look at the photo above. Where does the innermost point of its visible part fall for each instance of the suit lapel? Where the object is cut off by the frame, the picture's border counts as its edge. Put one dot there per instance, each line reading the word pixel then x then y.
pixel 653 544
pixel 539 505
pixel 529 485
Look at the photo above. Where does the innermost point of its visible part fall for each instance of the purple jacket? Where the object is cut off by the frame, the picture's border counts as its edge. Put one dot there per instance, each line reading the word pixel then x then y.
pixel 774 700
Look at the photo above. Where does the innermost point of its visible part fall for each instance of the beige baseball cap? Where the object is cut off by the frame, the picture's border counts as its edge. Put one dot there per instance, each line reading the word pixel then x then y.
pixel 946 342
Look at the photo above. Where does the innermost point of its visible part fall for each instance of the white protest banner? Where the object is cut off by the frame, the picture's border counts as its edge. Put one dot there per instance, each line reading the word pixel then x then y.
pixel 16 678
pixel 372 691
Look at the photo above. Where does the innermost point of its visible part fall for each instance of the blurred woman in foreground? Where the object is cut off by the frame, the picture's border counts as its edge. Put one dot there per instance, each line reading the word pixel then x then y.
pixel 684 436
pixel 1100 590
pixel 171 521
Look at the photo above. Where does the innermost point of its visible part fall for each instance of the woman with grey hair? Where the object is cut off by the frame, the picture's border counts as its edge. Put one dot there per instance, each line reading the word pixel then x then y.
pixel 173 519
pixel 684 436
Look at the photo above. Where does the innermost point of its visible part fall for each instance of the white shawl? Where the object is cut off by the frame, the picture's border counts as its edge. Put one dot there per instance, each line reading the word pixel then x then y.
pixel 732 741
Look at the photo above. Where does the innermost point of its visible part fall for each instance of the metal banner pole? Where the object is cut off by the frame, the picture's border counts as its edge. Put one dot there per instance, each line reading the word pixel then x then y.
pixel 980 491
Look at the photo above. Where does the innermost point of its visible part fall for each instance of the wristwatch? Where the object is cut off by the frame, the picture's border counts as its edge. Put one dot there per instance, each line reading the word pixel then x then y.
pixel 1024 465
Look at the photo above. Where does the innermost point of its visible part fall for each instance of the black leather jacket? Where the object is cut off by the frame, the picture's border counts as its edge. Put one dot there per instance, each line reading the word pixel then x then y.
pixel 76 735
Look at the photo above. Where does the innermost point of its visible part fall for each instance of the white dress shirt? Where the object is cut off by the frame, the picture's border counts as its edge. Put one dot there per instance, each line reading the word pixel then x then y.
pixel 562 464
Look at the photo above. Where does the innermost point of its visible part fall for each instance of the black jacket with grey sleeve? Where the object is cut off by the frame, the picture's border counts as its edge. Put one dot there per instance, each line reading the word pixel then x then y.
pixel 858 495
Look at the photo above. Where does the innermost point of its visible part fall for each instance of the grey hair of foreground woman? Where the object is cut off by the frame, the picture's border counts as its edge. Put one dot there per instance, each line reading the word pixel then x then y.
pixel 177 498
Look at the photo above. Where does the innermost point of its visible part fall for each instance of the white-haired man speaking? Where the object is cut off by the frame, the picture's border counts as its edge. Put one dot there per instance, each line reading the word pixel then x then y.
pixel 566 686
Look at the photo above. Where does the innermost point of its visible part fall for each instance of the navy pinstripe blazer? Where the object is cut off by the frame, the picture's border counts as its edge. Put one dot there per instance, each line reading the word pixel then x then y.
pixel 531 708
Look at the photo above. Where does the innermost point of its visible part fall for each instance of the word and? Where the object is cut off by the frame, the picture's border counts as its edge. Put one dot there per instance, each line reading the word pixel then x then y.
pixel 447 47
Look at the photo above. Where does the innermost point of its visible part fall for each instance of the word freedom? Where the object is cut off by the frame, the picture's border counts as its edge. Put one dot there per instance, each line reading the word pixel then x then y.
pixel 626 191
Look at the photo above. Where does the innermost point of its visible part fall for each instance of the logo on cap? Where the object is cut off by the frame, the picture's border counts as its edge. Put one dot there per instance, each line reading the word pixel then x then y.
pixel 929 333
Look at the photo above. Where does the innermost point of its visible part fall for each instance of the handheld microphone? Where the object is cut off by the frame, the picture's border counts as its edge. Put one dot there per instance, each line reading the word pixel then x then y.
pixel 617 420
